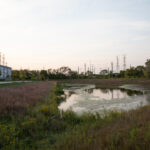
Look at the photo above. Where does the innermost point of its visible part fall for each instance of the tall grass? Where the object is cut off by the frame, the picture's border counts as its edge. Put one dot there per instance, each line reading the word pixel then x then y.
pixel 43 127
pixel 16 98
pixel 124 131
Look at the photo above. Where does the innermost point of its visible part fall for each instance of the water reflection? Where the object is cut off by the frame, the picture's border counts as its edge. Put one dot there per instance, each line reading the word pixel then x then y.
pixel 87 98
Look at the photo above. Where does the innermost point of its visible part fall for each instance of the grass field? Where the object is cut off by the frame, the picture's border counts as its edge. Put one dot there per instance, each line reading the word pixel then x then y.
pixel 42 127
pixel 16 98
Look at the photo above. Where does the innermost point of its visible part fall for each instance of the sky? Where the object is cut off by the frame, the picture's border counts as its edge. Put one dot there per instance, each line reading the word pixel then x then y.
pixel 46 34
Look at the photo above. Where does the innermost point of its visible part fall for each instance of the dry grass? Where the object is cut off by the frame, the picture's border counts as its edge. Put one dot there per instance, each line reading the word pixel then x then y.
pixel 16 98
pixel 110 83
pixel 129 131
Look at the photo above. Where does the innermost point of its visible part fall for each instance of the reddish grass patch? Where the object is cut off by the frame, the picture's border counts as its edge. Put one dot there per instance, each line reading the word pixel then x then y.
pixel 16 98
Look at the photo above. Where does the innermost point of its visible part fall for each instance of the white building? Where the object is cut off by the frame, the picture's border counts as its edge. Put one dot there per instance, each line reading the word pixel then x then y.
pixel 5 73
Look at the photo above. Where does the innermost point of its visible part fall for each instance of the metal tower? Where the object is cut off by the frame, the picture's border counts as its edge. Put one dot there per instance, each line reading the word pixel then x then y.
pixel 85 68
pixel 78 70
pixel 112 67
pixel 3 60
pixel 117 65
pixel 124 62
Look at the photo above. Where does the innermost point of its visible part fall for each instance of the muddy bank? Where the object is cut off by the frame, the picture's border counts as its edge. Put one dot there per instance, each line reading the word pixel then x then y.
pixel 110 83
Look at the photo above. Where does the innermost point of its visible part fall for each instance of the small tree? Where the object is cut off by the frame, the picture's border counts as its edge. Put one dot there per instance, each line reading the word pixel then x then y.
pixel 22 75
pixel 147 69
pixel 43 75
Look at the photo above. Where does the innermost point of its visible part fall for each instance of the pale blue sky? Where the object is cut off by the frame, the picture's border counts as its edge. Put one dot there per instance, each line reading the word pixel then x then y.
pixel 53 33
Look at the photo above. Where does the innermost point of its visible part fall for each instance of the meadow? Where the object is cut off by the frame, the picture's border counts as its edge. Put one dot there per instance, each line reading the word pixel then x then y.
pixel 35 123
pixel 16 97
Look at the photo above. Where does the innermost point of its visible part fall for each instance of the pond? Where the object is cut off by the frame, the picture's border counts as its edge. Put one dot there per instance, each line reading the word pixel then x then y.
pixel 87 98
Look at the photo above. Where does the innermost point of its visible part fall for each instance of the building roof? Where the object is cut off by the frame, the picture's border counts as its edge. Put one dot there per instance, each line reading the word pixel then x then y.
pixel 5 66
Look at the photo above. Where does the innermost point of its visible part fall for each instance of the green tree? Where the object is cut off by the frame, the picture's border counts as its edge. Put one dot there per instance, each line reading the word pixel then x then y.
pixel 130 72
pixel 147 69
pixel 43 75
pixel 15 74
pixel 22 75
pixel 140 71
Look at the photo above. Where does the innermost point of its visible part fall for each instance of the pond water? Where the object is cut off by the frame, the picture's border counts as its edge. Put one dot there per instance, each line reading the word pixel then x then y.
pixel 88 98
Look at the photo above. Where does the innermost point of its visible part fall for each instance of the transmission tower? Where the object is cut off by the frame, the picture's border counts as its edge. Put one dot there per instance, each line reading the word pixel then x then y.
pixel 78 70
pixel 92 68
pixel 112 67
pixel 117 66
pixel 85 68
pixel 3 60
pixel 124 62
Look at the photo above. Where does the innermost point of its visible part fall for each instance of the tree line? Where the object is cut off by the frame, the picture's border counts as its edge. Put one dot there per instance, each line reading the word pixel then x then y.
pixel 67 73
pixel 60 73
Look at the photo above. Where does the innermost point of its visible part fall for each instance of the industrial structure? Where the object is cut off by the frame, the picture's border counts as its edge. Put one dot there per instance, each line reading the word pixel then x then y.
pixel 114 69
pixel 5 71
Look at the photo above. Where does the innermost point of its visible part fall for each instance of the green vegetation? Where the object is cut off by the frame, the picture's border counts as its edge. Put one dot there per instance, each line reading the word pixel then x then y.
pixel 38 127
pixel 147 69
pixel 67 73
pixel 43 127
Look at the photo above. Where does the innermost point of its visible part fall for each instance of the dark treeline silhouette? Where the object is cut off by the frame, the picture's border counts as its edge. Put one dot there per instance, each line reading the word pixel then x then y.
pixel 67 73
pixel 61 73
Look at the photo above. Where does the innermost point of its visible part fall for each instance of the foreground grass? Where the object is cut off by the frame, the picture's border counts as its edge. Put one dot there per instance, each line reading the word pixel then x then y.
pixel 126 131
pixel 42 127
